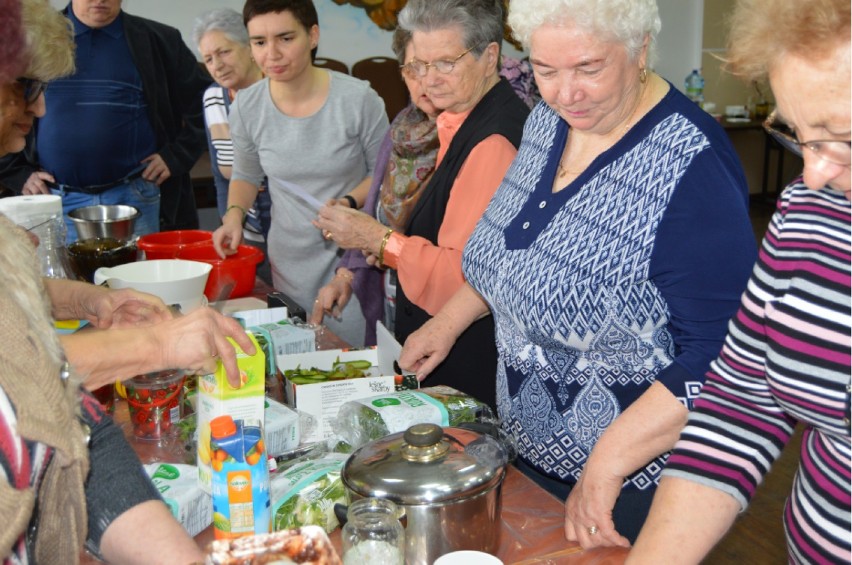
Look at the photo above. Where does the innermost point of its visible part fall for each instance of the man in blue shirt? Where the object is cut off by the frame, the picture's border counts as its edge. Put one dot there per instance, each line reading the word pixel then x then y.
pixel 127 127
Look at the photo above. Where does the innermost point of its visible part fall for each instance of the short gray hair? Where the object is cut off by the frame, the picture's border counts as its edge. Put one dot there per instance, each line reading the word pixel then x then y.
pixel 399 43
pixel 226 20
pixel 481 21
pixel 623 21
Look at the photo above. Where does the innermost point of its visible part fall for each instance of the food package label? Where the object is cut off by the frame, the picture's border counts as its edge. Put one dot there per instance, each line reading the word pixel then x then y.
pixel 178 485
pixel 401 410
pixel 216 397
pixel 282 428
pixel 240 482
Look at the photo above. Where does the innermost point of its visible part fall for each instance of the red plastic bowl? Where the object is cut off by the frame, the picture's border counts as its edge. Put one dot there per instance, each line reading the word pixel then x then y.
pixel 239 269
pixel 167 244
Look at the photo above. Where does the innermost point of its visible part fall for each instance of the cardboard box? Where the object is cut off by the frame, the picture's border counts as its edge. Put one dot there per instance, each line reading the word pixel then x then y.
pixel 216 398
pixel 322 400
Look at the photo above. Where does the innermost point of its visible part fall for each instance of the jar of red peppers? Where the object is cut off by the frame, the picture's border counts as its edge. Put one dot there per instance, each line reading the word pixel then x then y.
pixel 154 403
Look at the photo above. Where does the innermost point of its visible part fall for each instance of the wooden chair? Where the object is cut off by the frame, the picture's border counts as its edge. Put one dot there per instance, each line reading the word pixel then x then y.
pixel 332 64
pixel 384 76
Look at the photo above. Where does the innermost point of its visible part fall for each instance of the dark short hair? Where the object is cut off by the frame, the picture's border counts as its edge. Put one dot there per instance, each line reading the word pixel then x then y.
pixel 303 10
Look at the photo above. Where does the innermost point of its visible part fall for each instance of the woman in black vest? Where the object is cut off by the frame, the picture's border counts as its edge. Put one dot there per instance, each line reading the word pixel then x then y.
pixel 456 58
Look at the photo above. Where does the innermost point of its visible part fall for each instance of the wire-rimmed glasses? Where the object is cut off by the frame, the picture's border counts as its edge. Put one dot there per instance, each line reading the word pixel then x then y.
pixel 834 151
pixel 418 68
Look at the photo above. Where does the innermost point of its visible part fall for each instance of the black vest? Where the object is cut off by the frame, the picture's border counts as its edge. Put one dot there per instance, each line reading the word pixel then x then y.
pixel 471 365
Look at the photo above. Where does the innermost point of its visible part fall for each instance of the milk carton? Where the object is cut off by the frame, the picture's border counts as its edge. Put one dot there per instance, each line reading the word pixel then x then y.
pixel 216 397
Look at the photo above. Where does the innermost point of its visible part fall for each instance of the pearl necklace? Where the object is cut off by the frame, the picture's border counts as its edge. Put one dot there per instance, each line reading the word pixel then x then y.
pixel 562 172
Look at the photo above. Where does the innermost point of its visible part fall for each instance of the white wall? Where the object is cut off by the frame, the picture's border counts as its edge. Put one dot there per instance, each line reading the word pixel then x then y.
pixel 347 34
pixel 680 40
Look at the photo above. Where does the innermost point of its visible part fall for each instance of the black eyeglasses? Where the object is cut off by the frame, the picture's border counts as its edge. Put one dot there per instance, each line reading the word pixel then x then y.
pixel 419 68
pixel 831 150
pixel 33 88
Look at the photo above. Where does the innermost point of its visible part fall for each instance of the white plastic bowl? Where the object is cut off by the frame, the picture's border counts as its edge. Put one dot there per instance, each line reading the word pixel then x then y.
pixel 177 282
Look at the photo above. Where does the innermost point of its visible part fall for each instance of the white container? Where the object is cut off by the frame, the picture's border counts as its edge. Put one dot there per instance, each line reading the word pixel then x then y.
pixel 468 557
pixel 177 282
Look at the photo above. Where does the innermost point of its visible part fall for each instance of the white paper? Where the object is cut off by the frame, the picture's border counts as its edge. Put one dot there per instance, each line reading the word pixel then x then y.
pixel 298 191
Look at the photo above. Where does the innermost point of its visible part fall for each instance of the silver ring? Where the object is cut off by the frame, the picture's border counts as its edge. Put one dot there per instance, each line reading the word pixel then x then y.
pixel 593 530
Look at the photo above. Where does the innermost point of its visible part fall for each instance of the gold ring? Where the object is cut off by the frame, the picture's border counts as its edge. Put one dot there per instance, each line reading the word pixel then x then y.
pixel 593 530
pixel 328 235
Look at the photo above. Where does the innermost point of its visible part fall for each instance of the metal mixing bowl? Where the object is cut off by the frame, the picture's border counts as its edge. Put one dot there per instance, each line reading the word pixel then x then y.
pixel 102 220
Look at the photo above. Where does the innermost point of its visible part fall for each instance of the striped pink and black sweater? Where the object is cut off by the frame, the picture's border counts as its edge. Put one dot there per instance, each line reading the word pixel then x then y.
pixel 786 359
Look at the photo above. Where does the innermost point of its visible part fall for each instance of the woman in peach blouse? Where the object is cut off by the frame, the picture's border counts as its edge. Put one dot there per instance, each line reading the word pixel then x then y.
pixel 456 62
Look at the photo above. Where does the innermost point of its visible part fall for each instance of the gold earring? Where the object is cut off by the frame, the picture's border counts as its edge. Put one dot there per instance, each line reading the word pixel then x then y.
pixel 643 75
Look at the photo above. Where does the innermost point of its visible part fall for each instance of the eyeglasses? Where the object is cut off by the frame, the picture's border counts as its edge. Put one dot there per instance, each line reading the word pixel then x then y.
pixel 33 88
pixel 831 150
pixel 419 68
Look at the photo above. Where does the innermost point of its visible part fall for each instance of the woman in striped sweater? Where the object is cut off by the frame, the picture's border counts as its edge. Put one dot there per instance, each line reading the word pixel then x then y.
pixel 787 355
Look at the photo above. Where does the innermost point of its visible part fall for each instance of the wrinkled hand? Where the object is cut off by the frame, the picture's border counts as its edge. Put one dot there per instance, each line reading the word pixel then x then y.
pixel 227 237
pixel 157 171
pixel 590 504
pixel 104 308
pixel 348 228
pixel 35 183
pixel 194 342
pixel 332 298
pixel 426 348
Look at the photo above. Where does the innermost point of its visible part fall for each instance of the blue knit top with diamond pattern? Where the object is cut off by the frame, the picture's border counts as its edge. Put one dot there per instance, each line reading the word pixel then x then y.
pixel 626 276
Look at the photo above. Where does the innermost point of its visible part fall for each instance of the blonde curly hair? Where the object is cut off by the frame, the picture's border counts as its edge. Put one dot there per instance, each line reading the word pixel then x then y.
pixel 49 41
pixel 762 31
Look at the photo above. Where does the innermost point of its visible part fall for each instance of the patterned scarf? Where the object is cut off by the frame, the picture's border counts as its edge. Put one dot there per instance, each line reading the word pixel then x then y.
pixel 412 161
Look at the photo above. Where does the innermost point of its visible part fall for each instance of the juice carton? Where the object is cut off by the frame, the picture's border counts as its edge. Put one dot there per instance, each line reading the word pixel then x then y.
pixel 240 478
pixel 218 398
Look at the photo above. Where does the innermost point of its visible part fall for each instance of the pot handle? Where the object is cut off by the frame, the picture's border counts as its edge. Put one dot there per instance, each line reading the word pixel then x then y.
pixel 340 510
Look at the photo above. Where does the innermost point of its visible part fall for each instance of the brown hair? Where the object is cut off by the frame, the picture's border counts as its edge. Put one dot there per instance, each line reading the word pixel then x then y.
pixel 762 31
pixel 12 46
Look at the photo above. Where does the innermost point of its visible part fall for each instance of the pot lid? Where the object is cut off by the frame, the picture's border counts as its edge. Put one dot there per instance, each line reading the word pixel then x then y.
pixel 426 464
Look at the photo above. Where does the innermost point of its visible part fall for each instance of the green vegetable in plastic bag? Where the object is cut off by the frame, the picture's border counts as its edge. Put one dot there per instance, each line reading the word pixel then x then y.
pixel 364 420
pixel 305 494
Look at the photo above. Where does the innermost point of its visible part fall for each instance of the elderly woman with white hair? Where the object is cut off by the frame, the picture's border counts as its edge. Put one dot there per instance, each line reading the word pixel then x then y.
pixel 223 44
pixel 611 257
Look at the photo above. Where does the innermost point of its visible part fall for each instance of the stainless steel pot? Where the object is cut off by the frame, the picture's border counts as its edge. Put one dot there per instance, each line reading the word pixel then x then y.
pixel 448 481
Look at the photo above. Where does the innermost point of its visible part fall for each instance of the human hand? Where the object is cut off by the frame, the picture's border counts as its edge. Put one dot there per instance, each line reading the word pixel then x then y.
pixel 194 342
pixel 333 297
pixel 122 308
pixel 227 237
pixel 427 347
pixel 348 228
pixel 590 505
pixel 157 171
pixel 35 183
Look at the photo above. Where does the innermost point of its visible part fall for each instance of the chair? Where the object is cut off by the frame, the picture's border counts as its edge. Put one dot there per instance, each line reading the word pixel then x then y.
pixel 383 75
pixel 332 64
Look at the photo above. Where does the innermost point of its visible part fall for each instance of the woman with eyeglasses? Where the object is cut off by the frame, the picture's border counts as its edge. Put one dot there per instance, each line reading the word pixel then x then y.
pixel 68 476
pixel 612 257
pixel 456 48
pixel 786 359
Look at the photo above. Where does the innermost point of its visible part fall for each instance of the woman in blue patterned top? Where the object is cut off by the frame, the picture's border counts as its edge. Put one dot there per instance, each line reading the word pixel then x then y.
pixel 611 257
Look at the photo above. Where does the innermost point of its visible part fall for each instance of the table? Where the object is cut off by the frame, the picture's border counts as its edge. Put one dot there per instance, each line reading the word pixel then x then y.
pixel 532 519
pixel 769 146
pixel 531 531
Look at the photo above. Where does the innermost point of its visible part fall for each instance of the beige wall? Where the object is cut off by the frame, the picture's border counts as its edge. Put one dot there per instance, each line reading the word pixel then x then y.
pixel 723 89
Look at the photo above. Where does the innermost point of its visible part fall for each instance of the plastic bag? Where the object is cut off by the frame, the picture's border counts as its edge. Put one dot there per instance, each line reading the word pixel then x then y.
pixel 361 421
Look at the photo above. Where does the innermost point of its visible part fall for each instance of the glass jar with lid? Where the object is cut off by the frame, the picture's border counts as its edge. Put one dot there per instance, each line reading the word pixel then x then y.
pixel 373 534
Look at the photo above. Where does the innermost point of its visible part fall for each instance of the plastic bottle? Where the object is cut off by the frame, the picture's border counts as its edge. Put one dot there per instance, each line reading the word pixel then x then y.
pixel 240 482
pixel 694 86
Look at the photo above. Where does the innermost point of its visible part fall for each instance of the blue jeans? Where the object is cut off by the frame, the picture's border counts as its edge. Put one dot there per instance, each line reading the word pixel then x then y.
pixel 139 193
